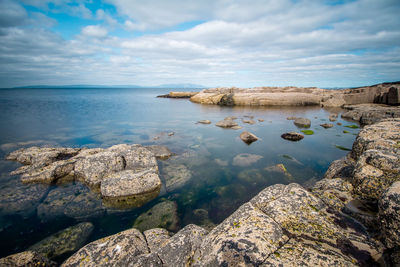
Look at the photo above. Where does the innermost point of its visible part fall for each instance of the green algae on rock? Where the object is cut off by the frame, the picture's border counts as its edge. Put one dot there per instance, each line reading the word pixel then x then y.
pixel 162 215
pixel 307 132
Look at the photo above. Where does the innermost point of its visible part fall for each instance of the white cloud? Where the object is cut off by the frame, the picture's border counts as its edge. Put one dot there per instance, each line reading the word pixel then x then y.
pixel 96 31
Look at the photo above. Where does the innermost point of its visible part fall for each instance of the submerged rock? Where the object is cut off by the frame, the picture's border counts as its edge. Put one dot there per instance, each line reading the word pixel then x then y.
pixel 248 137
pixel 279 168
pixel 245 159
pixel 160 152
pixel 65 241
pixel 204 122
pixel 222 163
pixel 162 215
pixel 201 218
pixel 292 136
pixel 27 258
pixel 175 176
pixel 117 250
pixel 249 121
pixel 302 122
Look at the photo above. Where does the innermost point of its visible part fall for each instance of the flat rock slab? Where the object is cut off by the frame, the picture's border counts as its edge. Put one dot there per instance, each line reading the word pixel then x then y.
pixel 326 125
pixel 65 241
pixel 292 136
pixel 227 123
pixel 302 122
pixel 248 137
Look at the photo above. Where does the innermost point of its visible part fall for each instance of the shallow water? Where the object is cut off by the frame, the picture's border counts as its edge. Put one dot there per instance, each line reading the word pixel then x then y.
pixel 104 117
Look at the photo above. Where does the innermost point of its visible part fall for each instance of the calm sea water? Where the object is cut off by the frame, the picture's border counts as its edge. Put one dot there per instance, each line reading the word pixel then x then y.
pixel 105 117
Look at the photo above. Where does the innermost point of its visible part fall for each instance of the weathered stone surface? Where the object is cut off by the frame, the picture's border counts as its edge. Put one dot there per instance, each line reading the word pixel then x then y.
pixel 156 238
pixel 201 218
pixel 92 167
pixel 160 152
pixel 248 137
pixel 302 122
pixel 204 122
pixel 26 259
pixel 335 192
pixel 292 136
pixel 284 224
pixel 65 241
pixel 367 114
pixel 326 125
pixel 227 123
pixel 175 176
pixel 245 159
pixel 178 95
pixel 117 250
pixel 393 97
pixel 162 215
pixel 341 168
pixel 389 216
pixel 72 200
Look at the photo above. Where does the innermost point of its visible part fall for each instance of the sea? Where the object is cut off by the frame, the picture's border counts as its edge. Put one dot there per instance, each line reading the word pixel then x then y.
pixel 101 117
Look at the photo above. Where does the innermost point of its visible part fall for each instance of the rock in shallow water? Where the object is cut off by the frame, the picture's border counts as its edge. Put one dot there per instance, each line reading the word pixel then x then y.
pixel 302 122
pixel 248 137
pixel 292 136
pixel 227 123
pixel 26 258
pixel 326 125
pixel 65 241
pixel 162 215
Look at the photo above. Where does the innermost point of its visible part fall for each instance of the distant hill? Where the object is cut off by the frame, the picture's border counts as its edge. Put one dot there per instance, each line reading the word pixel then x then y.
pixel 175 86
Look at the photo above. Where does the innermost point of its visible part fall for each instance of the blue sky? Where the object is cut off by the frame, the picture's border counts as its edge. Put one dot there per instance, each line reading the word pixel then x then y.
pixel 243 43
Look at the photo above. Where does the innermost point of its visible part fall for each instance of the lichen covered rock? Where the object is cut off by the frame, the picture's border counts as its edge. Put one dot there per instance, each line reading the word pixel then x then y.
pixel 26 258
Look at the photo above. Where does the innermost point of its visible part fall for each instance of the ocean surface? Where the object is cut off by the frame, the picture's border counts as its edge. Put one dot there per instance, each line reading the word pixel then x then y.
pixel 219 184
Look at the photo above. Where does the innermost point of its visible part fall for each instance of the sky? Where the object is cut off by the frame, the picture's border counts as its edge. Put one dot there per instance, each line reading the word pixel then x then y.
pixel 242 43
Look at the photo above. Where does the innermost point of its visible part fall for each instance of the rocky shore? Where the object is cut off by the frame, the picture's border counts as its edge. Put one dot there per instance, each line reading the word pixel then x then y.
pixel 385 93
pixel 349 218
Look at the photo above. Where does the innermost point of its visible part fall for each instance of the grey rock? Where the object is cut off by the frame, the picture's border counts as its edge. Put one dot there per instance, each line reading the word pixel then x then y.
pixel 292 118
pixel 162 215
pixel 156 238
pixel 226 123
pixel 341 168
pixel 65 241
pixel 368 114
pixel 333 117
pixel 389 216
pixel 245 159
pixel 292 136
pixel 26 259
pixel 335 192
pixel 327 125
pixel 117 250
pixel 128 188
pixel 249 121
pixel 175 176
pixel 302 122
pixel 248 137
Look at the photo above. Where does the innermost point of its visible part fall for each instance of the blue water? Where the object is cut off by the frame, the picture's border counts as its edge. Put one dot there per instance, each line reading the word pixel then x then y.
pixel 105 117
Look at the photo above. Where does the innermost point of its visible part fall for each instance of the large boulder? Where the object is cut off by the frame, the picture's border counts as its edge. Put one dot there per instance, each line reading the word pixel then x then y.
pixel 65 241
pixel 248 137
pixel 117 250
pixel 162 215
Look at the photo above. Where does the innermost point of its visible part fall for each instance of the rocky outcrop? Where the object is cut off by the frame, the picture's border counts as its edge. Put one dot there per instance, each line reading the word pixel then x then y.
pixel 385 93
pixel 64 242
pixel 367 114
pixel 125 175
pixel 179 95
pixel 26 258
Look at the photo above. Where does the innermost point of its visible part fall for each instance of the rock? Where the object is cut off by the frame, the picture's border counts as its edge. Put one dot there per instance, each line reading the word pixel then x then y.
pixel 160 152
pixel 249 121
pixel 90 166
pixel 279 168
pixel 65 241
pixel 292 136
pixel 236 127
pixel 156 238
pixel 178 251
pixel 201 218
pixel 291 118
pixel 284 225
pixel 342 168
pixel 204 122
pixel 327 125
pixel 226 123
pixel 117 250
pixel 245 159
pixel 333 117
pixel 176 176
pixel 162 215
pixel 178 95
pixel 302 122
pixel 73 200
pixel 171 133
pixel 339 123
pixel 126 189
pixel 393 97
pixel 335 192
pixel 368 114
pixel 248 137
pixel 26 258
pixel 389 216
pixel 260 120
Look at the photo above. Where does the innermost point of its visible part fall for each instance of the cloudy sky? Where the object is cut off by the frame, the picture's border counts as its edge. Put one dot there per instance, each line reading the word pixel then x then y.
pixel 244 43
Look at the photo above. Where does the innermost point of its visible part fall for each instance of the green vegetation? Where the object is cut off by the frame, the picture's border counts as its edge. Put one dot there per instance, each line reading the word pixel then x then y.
pixel 308 132
pixel 352 126
pixel 287 157
pixel 344 131
pixel 343 148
